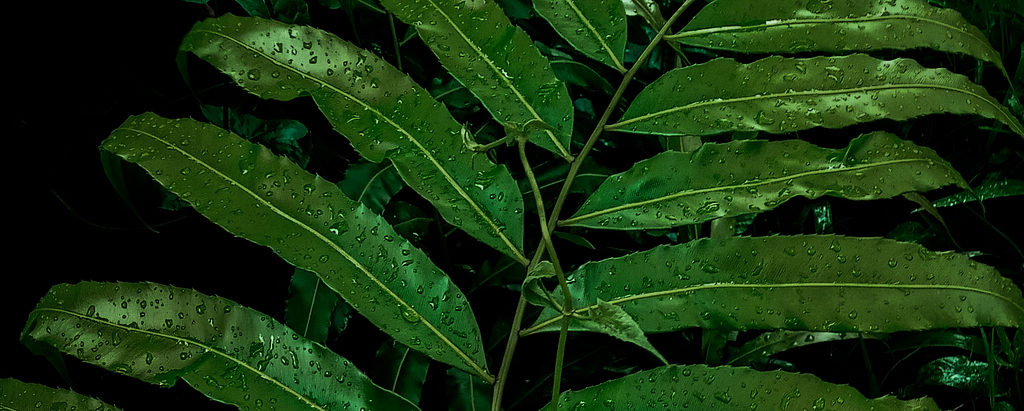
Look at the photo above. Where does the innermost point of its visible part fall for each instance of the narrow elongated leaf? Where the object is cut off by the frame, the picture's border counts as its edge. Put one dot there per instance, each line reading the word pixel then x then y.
pixel 311 224
pixel 19 395
pixel 495 60
pixel 382 111
pixel 1002 188
pixel 726 180
pixel 810 282
pixel 781 95
pixel 596 28
pixel 786 26
pixel 230 353
pixel 677 387
pixel 774 342
pixel 309 306
pixel 401 370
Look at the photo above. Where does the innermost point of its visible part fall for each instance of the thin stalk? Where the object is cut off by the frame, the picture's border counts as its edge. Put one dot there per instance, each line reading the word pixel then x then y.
pixel 559 357
pixel 517 321
pixel 394 39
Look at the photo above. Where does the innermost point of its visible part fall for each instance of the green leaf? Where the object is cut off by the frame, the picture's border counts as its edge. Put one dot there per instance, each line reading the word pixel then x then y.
pixel 495 60
pixel 19 395
pixel 467 392
pixel 596 28
pixel 579 74
pixel 280 136
pixel 956 371
pixel 995 189
pixel 782 95
pixel 351 5
pixel 287 11
pixel 310 223
pixel 612 320
pixel 748 176
pixel 534 290
pixel 230 353
pixel 309 306
pixel 809 282
pixel 699 387
pixel 786 26
pixel 401 370
pixel 382 111
pixel 372 184
pixel 774 342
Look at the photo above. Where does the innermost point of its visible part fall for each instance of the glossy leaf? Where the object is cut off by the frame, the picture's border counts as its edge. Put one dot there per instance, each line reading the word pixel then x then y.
pixel 401 370
pixel 596 28
pixel 230 353
pixel 679 387
pixel 786 26
pixel 309 306
pixel 995 189
pixel 381 110
pixel 810 282
pixel 774 342
pixel 311 224
pixel 495 60
pixel 19 395
pixel 782 95
pixel 726 180
pixel 957 371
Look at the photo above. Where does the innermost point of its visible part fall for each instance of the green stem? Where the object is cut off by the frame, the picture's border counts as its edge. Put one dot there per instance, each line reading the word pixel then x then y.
pixel 559 357
pixel 517 321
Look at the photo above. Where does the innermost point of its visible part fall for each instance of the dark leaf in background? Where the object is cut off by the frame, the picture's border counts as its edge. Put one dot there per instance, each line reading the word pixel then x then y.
pixel 401 370
pixel 309 306
pixel 372 184
pixel 283 137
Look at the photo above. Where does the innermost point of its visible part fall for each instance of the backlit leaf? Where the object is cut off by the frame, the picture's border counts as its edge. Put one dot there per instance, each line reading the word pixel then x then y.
pixel 726 180
pixel 809 282
pixel 18 395
pixel 381 110
pixel 787 26
pixel 782 95
pixel 680 387
pixel 310 223
pixel 495 60
pixel 596 28
pixel 230 353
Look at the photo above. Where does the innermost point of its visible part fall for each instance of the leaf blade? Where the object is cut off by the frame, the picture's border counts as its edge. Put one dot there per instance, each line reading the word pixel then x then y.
pixel 380 110
pixel 726 180
pixel 20 395
pixel 777 26
pixel 269 200
pixel 106 324
pixel 517 84
pixel 767 282
pixel 724 95
pixel 596 28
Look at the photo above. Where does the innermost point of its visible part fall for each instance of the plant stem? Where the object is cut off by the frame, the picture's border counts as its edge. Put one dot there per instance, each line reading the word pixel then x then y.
pixel 559 357
pixel 517 321
pixel 394 38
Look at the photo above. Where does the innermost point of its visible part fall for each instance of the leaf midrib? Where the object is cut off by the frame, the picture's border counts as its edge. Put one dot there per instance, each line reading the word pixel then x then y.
pixel 494 68
pixel 618 301
pixel 596 35
pixel 206 347
pixel 839 170
pixel 405 306
pixel 426 153
pixel 999 109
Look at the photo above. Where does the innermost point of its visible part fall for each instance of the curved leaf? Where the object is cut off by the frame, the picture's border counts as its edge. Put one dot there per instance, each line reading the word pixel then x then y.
pixel 726 180
pixel 495 60
pixel 382 111
pixel 787 26
pixel 230 353
pixel 19 395
pixel 678 387
pixel 774 342
pixel 311 224
pixel 994 189
pixel 810 282
pixel 781 95
pixel 596 28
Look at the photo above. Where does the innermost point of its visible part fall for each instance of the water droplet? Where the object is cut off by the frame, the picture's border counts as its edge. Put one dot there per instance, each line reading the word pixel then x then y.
pixel 410 315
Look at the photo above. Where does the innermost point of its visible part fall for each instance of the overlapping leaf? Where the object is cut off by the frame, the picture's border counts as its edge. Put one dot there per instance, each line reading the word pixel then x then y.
pixel 994 189
pixel 18 395
pixel 382 111
pixel 309 306
pixel 815 283
pixel 495 60
pixel 781 95
pixel 774 342
pixel 310 223
pixel 678 387
pixel 596 28
pixel 786 26
pixel 725 180
pixel 230 353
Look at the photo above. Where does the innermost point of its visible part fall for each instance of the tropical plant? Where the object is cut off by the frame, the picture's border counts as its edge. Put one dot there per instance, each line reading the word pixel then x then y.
pixel 749 114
